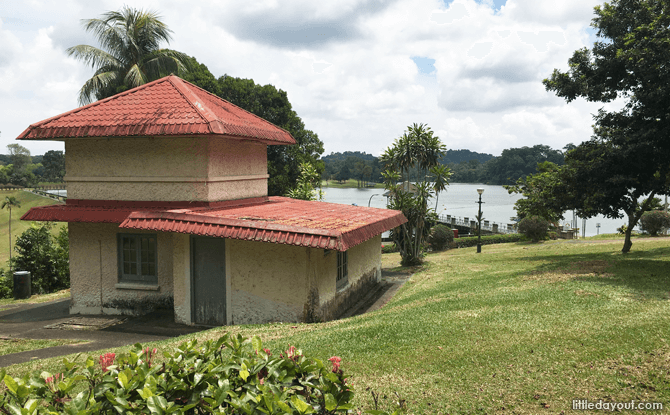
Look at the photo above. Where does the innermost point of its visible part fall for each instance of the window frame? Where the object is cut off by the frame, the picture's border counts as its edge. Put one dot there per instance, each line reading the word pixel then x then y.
pixel 138 278
pixel 342 278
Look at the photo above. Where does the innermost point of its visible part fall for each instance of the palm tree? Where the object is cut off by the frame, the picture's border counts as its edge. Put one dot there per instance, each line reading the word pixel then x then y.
pixel 441 174
pixel 130 54
pixel 10 202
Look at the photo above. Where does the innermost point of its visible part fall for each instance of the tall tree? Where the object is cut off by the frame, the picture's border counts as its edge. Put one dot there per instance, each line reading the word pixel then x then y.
pixel 54 165
pixel 632 145
pixel 130 53
pixel 417 146
pixel 9 203
pixel 19 156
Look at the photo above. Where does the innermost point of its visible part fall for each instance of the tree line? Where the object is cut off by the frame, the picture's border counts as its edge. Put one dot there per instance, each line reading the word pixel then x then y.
pixel 466 166
pixel 19 168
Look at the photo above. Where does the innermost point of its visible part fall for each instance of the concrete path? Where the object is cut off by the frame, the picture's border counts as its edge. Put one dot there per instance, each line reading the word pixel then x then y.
pixel 52 321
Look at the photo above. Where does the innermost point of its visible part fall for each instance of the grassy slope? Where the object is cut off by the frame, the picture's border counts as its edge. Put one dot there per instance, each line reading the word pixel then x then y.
pixel 522 327
pixel 27 200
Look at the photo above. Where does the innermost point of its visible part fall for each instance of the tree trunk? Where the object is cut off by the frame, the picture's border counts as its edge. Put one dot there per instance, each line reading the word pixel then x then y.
pixel 627 244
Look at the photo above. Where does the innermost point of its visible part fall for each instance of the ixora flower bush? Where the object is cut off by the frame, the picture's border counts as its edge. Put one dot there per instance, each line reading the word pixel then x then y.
pixel 230 376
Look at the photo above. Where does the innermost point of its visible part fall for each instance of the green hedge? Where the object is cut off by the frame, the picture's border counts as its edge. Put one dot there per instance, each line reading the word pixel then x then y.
pixel 487 240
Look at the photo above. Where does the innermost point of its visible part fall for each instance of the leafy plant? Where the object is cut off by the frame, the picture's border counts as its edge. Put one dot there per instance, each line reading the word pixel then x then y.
pixel 655 221
pixel 417 147
pixel 440 237
pixel 230 375
pixel 534 227
pixel 46 259
pixel 309 184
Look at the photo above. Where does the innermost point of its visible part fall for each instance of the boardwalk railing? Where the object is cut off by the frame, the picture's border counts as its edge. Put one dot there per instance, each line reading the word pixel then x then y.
pixel 472 224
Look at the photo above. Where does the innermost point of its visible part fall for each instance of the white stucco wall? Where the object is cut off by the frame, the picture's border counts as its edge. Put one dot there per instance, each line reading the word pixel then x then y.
pixel 165 169
pixel 94 278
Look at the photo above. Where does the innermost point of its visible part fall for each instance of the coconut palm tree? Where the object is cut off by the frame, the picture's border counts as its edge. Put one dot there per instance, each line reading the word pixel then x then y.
pixel 130 54
pixel 10 202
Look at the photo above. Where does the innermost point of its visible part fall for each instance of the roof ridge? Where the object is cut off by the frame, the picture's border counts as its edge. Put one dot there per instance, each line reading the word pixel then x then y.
pixel 216 97
pixel 193 100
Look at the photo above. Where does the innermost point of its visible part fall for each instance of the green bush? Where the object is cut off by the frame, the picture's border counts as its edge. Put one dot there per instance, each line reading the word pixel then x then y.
pixel 440 237
pixel 534 227
pixel 6 284
pixel 389 248
pixel 45 257
pixel 231 375
pixel 654 222
pixel 487 240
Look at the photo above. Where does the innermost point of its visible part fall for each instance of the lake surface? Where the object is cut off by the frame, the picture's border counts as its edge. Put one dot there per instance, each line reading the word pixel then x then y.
pixel 460 200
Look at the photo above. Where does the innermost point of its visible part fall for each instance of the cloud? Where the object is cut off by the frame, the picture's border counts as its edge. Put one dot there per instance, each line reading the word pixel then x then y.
pixel 301 24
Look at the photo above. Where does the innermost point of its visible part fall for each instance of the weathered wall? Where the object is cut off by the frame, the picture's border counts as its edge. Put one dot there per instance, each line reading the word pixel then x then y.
pixel 268 281
pixel 165 169
pixel 181 271
pixel 94 281
pixel 364 263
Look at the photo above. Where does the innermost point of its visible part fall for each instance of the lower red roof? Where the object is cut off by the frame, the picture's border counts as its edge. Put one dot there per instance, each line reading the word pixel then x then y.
pixel 274 219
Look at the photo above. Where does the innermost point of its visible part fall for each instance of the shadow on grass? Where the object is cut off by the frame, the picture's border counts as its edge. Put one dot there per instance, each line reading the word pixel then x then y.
pixel 644 274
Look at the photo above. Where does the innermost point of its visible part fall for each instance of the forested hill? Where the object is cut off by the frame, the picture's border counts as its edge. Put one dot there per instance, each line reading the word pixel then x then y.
pixel 460 156
pixel 343 156
pixel 466 166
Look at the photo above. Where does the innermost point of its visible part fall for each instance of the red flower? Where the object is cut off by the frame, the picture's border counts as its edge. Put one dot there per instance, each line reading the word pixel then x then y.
pixel 106 361
pixel 336 363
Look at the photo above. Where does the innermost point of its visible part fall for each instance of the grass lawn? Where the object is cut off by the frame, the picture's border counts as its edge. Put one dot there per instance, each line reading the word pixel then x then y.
pixel 520 328
pixel 351 183
pixel 9 346
pixel 36 298
pixel 27 200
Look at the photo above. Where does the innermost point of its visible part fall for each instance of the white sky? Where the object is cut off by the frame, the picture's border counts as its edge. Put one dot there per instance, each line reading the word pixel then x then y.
pixel 358 72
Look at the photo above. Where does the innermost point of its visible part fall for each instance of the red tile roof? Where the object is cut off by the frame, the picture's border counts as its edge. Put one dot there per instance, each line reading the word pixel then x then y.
pixel 274 219
pixel 168 106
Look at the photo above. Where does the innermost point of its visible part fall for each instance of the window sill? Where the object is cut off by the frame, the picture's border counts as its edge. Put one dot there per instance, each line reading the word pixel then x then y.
pixel 342 288
pixel 131 286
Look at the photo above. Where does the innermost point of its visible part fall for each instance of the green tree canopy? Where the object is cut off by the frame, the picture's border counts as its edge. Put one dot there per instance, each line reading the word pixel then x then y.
pixel 130 53
pixel 627 157
pixel 54 165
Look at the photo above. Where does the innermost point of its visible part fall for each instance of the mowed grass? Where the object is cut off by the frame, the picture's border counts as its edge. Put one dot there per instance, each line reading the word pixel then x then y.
pixel 519 328
pixel 27 200
pixel 9 346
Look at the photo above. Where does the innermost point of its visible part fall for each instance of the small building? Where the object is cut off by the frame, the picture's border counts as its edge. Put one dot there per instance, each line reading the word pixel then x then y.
pixel 167 205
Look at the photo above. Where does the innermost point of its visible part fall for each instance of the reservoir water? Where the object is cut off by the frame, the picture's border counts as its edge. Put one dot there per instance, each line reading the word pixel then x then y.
pixel 460 200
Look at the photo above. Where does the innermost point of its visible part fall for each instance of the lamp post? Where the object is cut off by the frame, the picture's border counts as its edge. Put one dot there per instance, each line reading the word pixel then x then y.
pixel 479 219
pixel 370 200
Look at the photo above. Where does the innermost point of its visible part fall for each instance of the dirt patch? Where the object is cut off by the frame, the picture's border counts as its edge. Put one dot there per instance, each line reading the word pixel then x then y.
pixel 86 323
pixel 580 269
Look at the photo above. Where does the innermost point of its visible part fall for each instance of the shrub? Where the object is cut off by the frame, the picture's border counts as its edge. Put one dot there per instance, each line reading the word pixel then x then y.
pixel 231 375
pixel 440 237
pixel 654 222
pixel 487 240
pixel 6 285
pixel 389 248
pixel 534 227
pixel 46 259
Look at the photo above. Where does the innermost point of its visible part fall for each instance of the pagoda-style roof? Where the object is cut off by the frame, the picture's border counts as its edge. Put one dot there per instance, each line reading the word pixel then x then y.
pixel 167 107
pixel 266 219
